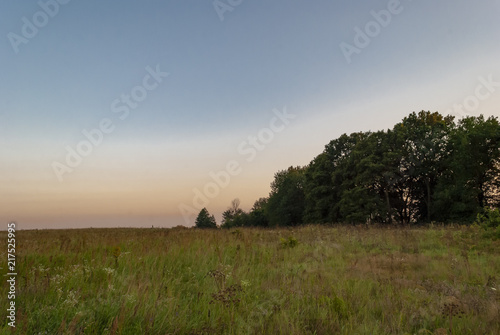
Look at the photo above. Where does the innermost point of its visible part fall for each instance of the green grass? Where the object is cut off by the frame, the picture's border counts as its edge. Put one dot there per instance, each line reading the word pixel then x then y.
pixel 332 280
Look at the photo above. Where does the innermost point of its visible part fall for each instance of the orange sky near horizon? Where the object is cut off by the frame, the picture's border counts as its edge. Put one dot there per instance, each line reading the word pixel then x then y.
pixel 140 184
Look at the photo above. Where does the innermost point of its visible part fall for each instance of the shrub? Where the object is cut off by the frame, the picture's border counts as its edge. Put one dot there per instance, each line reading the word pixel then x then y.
pixel 489 218
pixel 291 242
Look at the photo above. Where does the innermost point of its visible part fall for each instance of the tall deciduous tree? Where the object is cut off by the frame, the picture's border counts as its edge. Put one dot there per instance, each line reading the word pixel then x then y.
pixel 472 180
pixel 285 206
pixel 258 213
pixel 425 150
pixel 234 216
pixel 324 178
pixel 425 168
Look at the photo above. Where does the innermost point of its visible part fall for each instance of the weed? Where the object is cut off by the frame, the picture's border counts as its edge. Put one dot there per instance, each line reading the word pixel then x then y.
pixel 382 280
pixel 116 253
pixel 237 233
pixel 290 242
pixel 219 278
pixel 228 296
pixel 489 218
pixel 451 308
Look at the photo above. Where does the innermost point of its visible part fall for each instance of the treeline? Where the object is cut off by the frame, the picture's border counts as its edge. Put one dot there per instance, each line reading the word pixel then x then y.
pixel 426 168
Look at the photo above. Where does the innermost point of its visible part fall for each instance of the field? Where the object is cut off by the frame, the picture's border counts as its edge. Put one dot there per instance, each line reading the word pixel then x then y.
pixel 308 280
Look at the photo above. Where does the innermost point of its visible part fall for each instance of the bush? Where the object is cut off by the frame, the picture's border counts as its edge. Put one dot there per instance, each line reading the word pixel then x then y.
pixel 291 242
pixel 489 218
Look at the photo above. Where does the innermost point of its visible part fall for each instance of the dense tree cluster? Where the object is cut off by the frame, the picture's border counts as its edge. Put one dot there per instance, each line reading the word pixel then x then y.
pixel 426 168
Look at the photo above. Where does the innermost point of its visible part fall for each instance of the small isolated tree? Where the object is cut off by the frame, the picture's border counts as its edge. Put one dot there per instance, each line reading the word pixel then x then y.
pixel 205 220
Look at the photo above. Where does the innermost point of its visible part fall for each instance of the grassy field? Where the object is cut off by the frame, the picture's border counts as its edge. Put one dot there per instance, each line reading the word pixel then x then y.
pixel 308 280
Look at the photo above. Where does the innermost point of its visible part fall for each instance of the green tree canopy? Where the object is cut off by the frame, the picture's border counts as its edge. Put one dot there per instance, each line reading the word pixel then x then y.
pixel 258 213
pixel 234 216
pixel 426 168
pixel 205 220
pixel 285 206
pixel 471 181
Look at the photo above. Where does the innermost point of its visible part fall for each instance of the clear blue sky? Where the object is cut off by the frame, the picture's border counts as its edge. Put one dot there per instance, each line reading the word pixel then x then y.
pixel 225 78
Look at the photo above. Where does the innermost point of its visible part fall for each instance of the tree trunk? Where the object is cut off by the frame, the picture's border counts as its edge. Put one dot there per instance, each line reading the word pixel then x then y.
pixel 388 201
pixel 428 185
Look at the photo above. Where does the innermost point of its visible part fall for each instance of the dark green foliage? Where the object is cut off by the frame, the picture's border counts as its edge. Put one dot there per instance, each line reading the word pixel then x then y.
pixel 489 218
pixel 425 152
pixel 290 242
pixel 472 177
pixel 234 216
pixel 287 198
pixel 258 215
pixel 319 191
pixel 427 168
pixel 205 220
pixel 324 180
pixel 363 181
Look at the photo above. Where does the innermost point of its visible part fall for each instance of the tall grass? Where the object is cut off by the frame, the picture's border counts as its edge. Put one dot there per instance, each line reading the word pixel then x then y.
pixel 331 280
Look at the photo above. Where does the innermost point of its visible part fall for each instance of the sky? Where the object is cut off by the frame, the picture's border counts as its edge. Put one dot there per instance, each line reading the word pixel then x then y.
pixel 139 113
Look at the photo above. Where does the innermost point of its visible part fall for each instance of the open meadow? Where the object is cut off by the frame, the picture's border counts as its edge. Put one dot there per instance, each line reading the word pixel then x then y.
pixel 307 280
